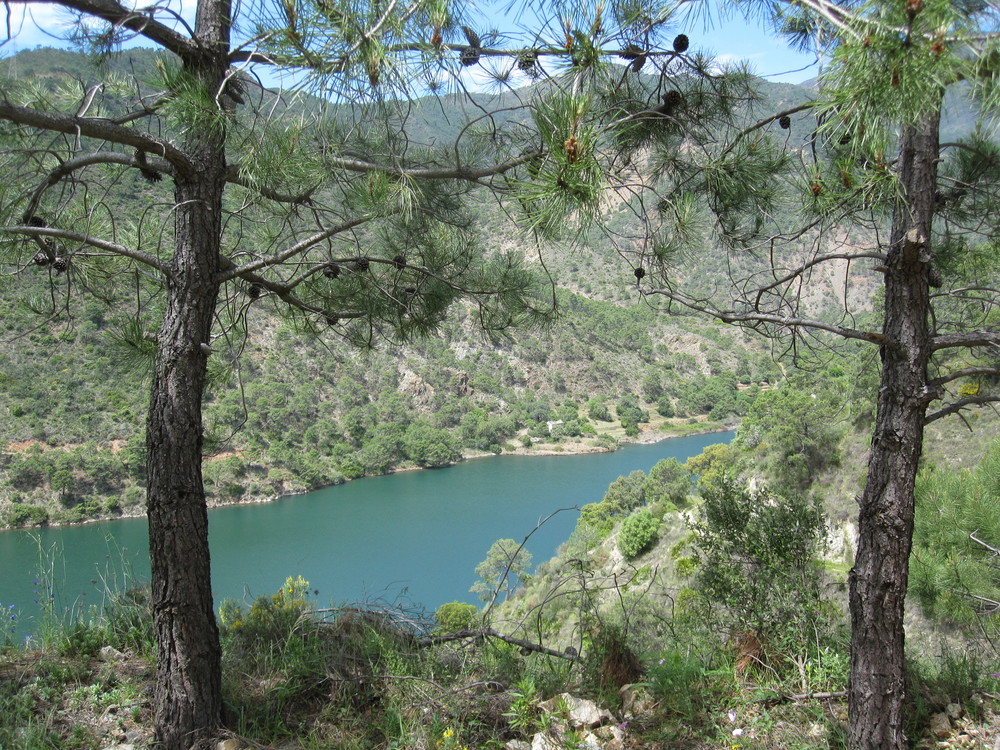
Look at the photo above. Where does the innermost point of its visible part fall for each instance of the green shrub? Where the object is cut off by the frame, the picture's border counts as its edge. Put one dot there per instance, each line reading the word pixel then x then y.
pixel 674 681
pixel 665 407
pixel 455 616
pixel 129 619
pixel 21 514
pixel 270 619
pixel 755 553
pixel 638 533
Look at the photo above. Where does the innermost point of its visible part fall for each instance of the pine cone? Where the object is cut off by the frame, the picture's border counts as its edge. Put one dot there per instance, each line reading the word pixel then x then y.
pixel 469 56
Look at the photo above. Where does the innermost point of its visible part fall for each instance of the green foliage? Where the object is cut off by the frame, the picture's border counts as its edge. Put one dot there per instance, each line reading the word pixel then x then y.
pixel 128 619
pixel 714 464
pixel 455 616
pixel 665 407
pixel 755 552
pixel 668 485
pixel 630 413
pixel 524 715
pixel 430 446
pixel 638 533
pixel 505 567
pixel 795 432
pixel 677 682
pixel 269 621
pixel 21 514
pixel 597 409
pixel 952 575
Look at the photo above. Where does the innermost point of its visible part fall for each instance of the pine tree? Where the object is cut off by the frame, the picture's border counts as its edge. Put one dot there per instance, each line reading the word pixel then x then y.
pixel 857 183
pixel 323 211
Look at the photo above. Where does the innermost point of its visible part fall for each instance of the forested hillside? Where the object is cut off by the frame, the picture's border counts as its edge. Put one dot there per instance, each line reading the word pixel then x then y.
pixel 300 408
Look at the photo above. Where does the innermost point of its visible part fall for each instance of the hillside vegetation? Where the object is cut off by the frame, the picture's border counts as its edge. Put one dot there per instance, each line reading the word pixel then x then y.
pixel 291 409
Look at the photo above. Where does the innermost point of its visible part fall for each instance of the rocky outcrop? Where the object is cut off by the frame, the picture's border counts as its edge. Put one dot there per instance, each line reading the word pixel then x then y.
pixel 574 722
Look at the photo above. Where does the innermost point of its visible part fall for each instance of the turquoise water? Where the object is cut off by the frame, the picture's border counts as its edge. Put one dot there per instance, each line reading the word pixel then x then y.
pixel 414 537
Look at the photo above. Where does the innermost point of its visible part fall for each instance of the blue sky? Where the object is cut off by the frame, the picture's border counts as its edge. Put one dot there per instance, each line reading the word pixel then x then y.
pixel 729 39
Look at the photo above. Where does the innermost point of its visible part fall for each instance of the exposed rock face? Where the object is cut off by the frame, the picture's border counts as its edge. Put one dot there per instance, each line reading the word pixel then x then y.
pixel 462 387
pixel 414 386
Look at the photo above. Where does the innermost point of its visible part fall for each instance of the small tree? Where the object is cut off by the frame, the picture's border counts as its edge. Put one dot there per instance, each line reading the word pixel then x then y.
pixel 755 554
pixel 638 533
pixel 505 567
pixel 668 483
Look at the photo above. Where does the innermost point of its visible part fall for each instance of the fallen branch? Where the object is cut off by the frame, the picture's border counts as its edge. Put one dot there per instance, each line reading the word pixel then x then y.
pixel 775 699
pixel 459 635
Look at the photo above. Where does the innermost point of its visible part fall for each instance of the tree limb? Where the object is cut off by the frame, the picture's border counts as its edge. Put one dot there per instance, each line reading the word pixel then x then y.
pixel 86 160
pixel 484 632
pixel 86 239
pixel 957 406
pixel 235 177
pixel 783 321
pixel 815 262
pixel 468 174
pixel 967 340
pixel 976 539
pixel 94 127
pixel 139 22
pixel 963 373
pixel 230 270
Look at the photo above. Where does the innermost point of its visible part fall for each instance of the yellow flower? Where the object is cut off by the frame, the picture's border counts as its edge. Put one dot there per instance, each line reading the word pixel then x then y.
pixel 449 732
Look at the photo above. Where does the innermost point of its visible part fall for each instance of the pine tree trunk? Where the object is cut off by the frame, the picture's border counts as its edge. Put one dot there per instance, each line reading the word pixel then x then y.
pixel 879 578
pixel 188 669
pixel 188 699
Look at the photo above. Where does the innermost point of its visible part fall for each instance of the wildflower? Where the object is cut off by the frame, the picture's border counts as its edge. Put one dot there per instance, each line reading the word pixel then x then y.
pixel 449 732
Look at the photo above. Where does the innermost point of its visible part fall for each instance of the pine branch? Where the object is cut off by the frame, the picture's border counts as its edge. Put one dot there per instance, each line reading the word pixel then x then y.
pixel 87 160
pixel 230 270
pixel 94 127
pixel 963 373
pixel 966 340
pixel 468 174
pixel 782 321
pixel 96 242
pixel 484 632
pixel 118 15
pixel 234 176
pixel 957 406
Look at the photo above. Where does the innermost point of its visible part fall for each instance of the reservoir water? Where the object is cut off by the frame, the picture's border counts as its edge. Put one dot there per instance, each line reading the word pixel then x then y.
pixel 415 536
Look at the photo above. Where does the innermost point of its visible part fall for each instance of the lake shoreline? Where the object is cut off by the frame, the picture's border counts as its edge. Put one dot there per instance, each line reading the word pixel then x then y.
pixel 574 448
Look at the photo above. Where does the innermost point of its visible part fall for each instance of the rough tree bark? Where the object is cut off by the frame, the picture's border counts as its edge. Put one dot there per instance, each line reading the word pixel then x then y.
pixel 879 578
pixel 189 674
